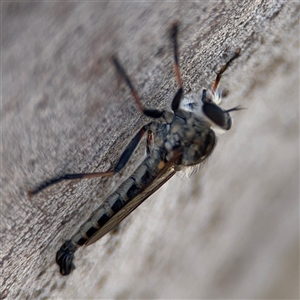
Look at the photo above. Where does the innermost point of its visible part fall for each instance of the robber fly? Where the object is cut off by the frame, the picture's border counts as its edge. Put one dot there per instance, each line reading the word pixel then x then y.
pixel 175 140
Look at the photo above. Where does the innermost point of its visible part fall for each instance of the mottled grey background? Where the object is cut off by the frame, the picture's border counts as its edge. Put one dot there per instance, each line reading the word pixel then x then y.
pixel 231 231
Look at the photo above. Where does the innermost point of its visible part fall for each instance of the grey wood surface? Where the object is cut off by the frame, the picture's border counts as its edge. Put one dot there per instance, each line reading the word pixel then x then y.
pixel 231 231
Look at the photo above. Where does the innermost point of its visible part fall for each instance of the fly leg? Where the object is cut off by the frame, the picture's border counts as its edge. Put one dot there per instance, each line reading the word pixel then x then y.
pixel 179 94
pixel 119 166
pixel 210 106
pixel 55 180
pixel 153 113
pixel 223 69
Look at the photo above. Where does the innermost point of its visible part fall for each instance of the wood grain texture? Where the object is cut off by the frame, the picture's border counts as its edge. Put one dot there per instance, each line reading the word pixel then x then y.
pixel 231 231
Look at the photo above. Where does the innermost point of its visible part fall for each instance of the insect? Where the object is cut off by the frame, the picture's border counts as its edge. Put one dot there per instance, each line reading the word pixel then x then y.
pixel 175 139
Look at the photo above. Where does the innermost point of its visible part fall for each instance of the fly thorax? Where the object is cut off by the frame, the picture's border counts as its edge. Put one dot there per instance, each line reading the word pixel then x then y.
pixel 193 139
pixel 200 147
pixel 175 136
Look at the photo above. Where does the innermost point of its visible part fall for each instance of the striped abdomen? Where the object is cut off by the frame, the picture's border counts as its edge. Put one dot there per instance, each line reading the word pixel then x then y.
pixel 98 223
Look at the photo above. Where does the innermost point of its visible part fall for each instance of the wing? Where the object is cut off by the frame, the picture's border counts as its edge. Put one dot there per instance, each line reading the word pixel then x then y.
pixel 162 177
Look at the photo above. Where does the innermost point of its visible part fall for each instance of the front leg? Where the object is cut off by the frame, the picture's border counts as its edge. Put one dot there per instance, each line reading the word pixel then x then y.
pixel 223 69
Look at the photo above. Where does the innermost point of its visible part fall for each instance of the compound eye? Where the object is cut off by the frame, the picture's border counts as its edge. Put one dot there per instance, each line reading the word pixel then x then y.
pixel 217 115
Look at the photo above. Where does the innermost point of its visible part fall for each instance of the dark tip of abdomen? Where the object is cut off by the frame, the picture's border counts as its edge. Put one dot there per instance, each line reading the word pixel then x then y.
pixel 65 256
